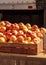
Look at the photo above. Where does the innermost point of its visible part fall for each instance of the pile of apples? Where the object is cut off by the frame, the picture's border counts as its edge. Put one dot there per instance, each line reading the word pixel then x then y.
pixel 20 33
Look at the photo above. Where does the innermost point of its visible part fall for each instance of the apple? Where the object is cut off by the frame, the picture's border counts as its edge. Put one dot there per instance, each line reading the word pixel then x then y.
pixel 15 32
pixel 21 25
pixel 2 29
pixel 20 39
pixel 12 27
pixel 4 36
pixel 37 30
pixel 25 36
pixel 17 26
pixel 42 30
pixel 9 31
pixel 8 25
pixel 40 35
pixel 13 38
pixel 25 42
pixel 7 22
pixel 28 26
pixel 1 34
pixel 2 39
pixel 25 30
pixel 29 32
pixel 31 42
pixel 36 40
pixel 8 35
pixel 29 39
pixel 10 41
pixel 2 23
pixel 33 35
pixel 34 27
pixel 20 32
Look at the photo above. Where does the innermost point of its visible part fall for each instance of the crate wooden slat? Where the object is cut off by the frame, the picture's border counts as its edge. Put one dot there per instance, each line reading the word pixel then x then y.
pixel 21 48
pixel 44 43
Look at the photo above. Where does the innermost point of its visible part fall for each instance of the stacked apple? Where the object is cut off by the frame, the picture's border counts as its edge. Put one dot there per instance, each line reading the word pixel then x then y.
pixel 20 33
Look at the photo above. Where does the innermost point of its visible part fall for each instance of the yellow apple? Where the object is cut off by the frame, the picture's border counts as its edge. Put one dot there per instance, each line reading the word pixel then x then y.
pixel 1 34
pixel 29 39
pixel 25 42
pixel 2 23
pixel 13 38
pixel 20 32
pixel 40 35
pixel 31 42
pixel 2 39
pixel 4 28
pixel 10 41
pixel 42 30
pixel 20 39
pixel 28 26
pixel 36 40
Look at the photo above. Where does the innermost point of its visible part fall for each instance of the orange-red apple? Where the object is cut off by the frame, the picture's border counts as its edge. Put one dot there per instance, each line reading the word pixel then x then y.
pixel 15 32
pixel 17 26
pixel 34 27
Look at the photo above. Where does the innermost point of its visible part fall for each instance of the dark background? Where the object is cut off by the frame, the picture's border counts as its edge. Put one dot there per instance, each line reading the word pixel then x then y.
pixel 25 16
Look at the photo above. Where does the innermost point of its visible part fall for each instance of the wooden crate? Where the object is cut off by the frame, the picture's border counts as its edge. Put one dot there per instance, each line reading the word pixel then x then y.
pixel 21 48
pixel 44 43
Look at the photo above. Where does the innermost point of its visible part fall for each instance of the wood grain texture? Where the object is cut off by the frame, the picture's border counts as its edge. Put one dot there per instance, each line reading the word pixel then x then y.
pixel 21 59
pixel 18 48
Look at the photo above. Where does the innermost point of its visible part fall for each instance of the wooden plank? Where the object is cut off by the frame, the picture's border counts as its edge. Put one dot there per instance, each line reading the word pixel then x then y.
pixel 19 59
pixel 19 48
pixel 22 62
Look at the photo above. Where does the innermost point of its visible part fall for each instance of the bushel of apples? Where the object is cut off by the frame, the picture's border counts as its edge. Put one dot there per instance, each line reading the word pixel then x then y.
pixel 20 33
